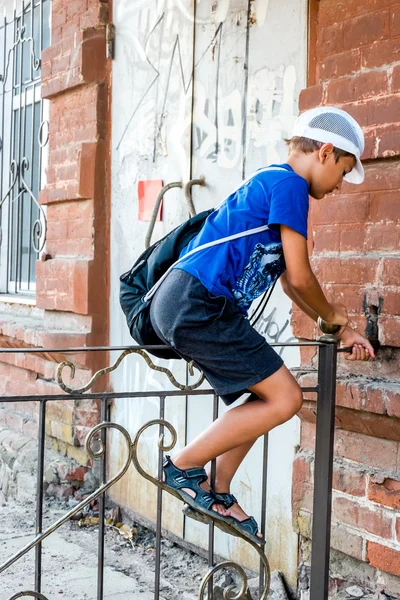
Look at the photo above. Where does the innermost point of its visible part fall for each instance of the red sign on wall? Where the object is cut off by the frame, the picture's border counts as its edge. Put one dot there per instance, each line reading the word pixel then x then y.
pixel 148 191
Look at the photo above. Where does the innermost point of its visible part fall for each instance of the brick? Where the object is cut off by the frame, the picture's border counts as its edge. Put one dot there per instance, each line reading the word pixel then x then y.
pixel 75 9
pixel 86 417
pixel 384 558
pixel 87 170
pixel 348 480
pixel 326 238
pixel 375 400
pixel 330 40
pixel 307 435
pixel 352 296
pixel 63 285
pixel 391 301
pixel 61 431
pixel 351 237
pixel 360 517
pixel 365 449
pixel 347 271
pixel 365 29
pixel 358 87
pixel 359 111
pixel 398 529
pixel 396 79
pixel 379 237
pixel 331 11
pixel 341 208
pixel 388 141
pixel 395 21
pixel 393 401
pixel 380 54
pixel 93 65
pixel 386 493
pixel 61 411
pixel 389 331
pixel 301 480
pixel 338 65
pixel 383 110
pixel 310 97
pixel 346 542
pixel 379 426
pixel 385 207
pixel 390 272
pixel 303 326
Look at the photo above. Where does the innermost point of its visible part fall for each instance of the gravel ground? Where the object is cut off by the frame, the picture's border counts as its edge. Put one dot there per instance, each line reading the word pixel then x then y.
pixel 70 555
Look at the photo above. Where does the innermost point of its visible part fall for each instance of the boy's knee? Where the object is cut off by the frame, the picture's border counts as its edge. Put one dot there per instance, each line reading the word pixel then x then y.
pixel 289 402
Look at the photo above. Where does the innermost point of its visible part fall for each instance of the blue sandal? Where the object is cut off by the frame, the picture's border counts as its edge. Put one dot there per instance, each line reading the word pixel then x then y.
pixel 176 480
pixel 248 527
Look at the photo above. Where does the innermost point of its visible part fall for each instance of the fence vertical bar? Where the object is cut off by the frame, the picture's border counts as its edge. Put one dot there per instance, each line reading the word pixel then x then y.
pixel 39 493
pixel 321 528
pixel 103 473
pixel 263 522
pixel 211 529
pixel 159 507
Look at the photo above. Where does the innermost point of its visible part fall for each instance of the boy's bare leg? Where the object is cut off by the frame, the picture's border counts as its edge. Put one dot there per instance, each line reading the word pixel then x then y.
pixel 280 398
pixel 226 466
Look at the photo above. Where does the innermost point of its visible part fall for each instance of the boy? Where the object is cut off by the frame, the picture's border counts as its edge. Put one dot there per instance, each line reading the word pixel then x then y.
pixel 201 307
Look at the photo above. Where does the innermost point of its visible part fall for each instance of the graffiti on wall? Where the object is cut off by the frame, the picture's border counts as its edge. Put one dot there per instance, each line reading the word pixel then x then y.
pixel 157 42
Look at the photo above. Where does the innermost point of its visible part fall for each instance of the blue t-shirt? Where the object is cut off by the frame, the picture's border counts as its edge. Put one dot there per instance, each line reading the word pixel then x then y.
pixel 244 268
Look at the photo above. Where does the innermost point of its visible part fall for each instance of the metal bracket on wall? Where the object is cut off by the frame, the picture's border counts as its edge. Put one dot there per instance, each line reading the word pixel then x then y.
pixel 188 192
pixel 110 41
pixel 160 196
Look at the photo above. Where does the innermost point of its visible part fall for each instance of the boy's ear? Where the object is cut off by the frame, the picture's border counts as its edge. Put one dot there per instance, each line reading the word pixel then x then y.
pixel 324 152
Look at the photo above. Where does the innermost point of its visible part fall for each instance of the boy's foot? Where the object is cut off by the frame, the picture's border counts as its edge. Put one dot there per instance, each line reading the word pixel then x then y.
pixel 239 520
pixel 198 492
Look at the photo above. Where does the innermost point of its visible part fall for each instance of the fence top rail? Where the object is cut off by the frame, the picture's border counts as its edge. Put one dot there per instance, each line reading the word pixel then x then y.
pixel 22 350
pixel 115 395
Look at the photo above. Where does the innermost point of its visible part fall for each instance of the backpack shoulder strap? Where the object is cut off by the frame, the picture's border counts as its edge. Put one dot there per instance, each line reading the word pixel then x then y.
pixel 228 238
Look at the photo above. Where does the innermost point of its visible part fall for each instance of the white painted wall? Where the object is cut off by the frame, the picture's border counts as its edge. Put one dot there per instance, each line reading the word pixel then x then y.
pixel 152 125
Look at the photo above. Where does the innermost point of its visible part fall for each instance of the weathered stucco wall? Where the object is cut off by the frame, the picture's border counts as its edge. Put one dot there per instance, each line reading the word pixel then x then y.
pixel 224 123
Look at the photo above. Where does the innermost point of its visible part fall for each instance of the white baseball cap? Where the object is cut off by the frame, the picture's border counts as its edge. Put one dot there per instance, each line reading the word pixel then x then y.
pixel 331 125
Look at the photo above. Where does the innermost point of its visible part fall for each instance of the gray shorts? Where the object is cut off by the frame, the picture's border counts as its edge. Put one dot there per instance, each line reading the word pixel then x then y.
pixel 211 331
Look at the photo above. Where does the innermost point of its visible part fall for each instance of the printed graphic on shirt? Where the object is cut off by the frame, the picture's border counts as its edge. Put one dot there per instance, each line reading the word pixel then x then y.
pixel 266 264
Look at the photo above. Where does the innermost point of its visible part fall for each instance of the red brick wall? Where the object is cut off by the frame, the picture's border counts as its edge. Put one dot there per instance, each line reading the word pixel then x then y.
pixel 72 276
pixel 355 65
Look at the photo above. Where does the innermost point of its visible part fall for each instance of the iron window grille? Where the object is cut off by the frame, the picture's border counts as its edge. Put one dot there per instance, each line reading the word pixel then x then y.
pixel 23 144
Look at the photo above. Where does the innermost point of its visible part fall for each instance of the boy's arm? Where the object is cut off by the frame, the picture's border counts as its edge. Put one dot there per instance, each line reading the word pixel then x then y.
pixel 294 296
pixel 303 281
pixel 361 348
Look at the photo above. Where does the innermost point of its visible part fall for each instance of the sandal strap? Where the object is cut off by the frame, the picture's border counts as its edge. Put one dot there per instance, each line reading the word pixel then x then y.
pixel 250 525
pixel 190 478
pixel 226 499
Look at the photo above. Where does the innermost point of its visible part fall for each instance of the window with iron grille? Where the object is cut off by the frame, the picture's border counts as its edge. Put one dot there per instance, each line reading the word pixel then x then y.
pixel 24 33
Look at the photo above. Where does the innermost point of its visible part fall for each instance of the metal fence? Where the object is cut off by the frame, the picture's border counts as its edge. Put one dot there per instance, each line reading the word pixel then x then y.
pixel 96 446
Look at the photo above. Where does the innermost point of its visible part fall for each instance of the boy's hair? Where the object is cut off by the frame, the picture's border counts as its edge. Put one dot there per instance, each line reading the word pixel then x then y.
pixel 304 144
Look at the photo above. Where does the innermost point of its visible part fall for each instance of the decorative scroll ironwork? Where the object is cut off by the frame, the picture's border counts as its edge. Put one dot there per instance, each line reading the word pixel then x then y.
pixel 21 39
pixel 20 81
pixel 29 593
pixel 243 592
pixel 40 225
pixel 90 384
pixel 103 488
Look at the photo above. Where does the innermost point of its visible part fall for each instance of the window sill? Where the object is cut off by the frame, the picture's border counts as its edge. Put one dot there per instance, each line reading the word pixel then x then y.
pixel 11 299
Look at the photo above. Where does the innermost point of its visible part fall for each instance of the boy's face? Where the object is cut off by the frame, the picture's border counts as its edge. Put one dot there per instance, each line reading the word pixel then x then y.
pixel 327 174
